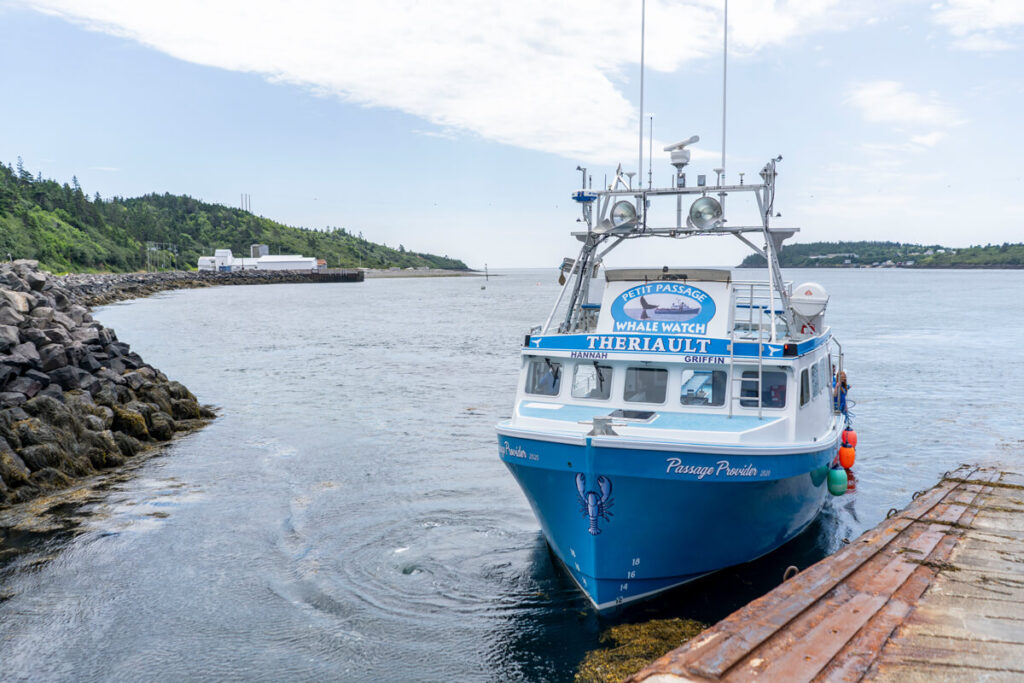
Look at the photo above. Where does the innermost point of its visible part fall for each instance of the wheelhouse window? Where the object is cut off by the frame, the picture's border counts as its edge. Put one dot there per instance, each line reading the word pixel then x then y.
pixel 773 389
pixel 805 386
pixel 592 381
pixel 823 375
pixel 702 387
pixel 544 377
pixel 646 385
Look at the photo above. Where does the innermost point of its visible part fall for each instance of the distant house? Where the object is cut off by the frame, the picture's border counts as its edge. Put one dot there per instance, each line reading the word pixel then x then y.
pixel 225 262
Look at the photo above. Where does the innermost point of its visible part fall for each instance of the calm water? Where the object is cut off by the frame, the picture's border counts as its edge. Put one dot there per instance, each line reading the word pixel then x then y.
pixel 347 516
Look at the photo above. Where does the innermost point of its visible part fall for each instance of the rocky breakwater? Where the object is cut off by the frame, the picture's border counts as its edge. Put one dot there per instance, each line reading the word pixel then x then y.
pixel 105 288
pixel 74 400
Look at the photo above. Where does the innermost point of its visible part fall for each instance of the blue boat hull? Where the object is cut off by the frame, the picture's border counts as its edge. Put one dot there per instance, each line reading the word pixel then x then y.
pixel 628 522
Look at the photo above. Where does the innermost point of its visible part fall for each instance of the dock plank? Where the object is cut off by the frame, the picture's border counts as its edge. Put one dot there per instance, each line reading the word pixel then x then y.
pixel 934 593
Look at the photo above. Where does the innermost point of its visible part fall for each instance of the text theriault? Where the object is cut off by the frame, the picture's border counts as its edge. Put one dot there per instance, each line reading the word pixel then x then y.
pixel 653 344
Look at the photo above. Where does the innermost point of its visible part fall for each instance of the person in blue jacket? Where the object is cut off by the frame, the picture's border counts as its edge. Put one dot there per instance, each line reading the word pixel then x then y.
pixel 840 396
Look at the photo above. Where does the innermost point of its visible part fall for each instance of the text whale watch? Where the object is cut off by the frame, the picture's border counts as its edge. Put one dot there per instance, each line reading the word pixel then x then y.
pixel 653 397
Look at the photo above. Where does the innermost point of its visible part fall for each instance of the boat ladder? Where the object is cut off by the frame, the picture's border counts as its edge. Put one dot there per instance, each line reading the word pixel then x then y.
pixel 737 389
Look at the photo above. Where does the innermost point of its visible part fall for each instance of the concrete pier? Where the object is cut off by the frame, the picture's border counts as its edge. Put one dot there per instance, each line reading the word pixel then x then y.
pixel 933 593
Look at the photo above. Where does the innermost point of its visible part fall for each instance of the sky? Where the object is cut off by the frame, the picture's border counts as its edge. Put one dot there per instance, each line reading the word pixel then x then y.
pixel 456 127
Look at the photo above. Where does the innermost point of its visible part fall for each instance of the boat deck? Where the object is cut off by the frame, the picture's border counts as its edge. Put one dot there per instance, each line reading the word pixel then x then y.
pixel 935 592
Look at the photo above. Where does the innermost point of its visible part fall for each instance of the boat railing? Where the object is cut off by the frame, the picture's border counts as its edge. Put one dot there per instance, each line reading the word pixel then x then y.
pixel 756 308
pixel 836 366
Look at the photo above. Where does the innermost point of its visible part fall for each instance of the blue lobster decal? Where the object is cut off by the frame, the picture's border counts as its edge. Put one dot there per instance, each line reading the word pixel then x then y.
pixel 593 504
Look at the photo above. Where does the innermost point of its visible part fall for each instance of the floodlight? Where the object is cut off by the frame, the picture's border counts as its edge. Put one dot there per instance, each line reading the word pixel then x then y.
pixel 623 216
pixel 705 213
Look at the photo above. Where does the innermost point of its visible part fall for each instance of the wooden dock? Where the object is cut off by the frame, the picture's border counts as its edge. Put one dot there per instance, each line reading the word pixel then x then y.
pixel 933 593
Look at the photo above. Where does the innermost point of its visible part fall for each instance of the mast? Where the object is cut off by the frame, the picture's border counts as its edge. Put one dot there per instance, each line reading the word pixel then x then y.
pixel 640 162
pixel 725 59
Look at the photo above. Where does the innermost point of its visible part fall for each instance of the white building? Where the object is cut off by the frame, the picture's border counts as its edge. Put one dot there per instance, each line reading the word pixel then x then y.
pixel 224 261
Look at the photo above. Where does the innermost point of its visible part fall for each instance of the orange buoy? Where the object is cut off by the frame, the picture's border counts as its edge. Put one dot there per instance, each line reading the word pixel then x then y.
pixel 847 454
pixel 850 437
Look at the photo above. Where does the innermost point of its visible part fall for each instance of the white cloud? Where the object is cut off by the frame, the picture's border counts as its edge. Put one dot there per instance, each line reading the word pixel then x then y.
pixel 929 139
pixel 889 102
pixel 925 120
pixel 536 74
pixel 981 25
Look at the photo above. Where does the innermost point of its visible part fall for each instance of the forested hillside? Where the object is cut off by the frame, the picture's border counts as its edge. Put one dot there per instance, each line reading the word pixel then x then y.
pixel 67 231
pixel 866 254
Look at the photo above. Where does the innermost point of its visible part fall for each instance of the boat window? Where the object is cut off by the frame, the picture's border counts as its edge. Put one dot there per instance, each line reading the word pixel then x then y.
pixel 544 377
pixel 592 381
pixel 646 385
pixel 702 387
pixel 773 389
pixel 815 380
pixel 805 385
pixel 823 375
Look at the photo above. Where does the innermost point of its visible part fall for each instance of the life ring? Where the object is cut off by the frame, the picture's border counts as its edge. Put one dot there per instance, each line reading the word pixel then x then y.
pixel 807 327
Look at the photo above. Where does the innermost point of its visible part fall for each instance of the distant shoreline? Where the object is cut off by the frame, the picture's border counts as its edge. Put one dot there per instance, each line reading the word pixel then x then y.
pixel 372 273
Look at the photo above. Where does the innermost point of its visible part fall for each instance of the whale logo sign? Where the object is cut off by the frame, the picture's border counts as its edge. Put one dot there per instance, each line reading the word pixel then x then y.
pixel 663 307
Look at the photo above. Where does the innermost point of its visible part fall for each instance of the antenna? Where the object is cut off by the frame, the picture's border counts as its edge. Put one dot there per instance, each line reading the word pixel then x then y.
pixel 650 152
pixel 725 57
pixel 643 19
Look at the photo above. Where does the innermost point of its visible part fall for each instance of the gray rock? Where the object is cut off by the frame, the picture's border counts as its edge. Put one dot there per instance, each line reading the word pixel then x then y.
pixel 60 299
pixel 68 377
pixel 116 366
pixel 78 313
pixel 53 356
pixel 38 376
pixel 64 320
pixel 53 391
pixel 9 337
pixel 35 279
pixel 89 363
pixel 12 398
pixel 7 373
pixel 21 302
pixel 9 316
pixel 58 335
pixel 24 385
pixel 135 380
pixel 26 350
pixel 34 336
pixel 86 334
pixel 42 313
pixel 93 423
